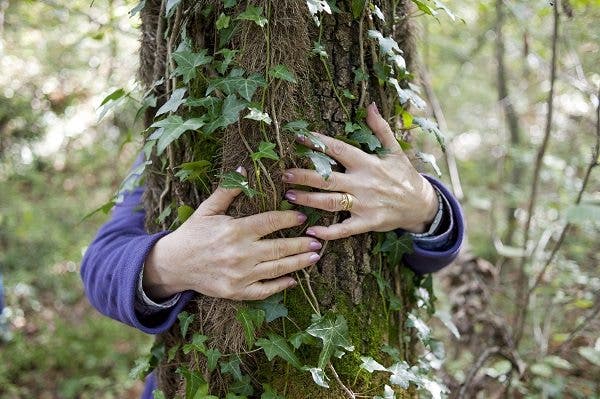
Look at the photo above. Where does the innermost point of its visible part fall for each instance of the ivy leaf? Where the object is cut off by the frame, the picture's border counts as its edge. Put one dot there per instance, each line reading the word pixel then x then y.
pixel 195 386
pixel 590 354
pixel 140 369
pixel 276 345
pixel 359 75
pixel 387 45
pixel 243 387
pixel 185 319
pixel 196 170
pixel 365 136
pixel 369 364
pixel 115 95
pixel 434 388
pixel 184 212
pixel 139 7
pixel 265 150
pixel 379 14
pixel 171 7
pixel 425 8
pixel 322 162
pixel 301 337
pixel 357 8
pixel 254 14
pixel 270 393
pixel 446 319
pixel 422 328
pixel 174 102
pixel 232 367
pixel 228 56
pixel 283 73
pixel 257 115
pixel 401 374
pixel 388 393
pixel 212 357
pixel 319 50
pixel 223 21
pixel 273 307
pixel 395 247
pixel 430 159
pixel 197 344
pixel 251 319
pixel 187 62
pixel 319 376
pixel 174 127
pixel 348 94
pixel 408 95
pixel 229 3
pixel 158 394
pixel 230 113
pixel 172 353
pixel 442 6
pixel 316 6
pixel 237 180
pixel 234 83
pixel 300 128
pixel 333 333
pixel 431 127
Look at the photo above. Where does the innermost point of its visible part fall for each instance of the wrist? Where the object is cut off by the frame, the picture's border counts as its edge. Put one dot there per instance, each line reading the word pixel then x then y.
pixel 430 206
pixel 158 279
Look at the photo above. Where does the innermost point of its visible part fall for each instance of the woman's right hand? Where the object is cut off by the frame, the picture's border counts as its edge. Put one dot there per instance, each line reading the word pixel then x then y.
pixel 220 256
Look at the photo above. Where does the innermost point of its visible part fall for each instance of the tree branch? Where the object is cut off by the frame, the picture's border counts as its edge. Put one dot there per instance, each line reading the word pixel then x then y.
pixel 522 299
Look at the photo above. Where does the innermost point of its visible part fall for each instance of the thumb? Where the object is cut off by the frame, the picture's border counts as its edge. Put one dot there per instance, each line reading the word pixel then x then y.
pixel 381 128
pixel 220 200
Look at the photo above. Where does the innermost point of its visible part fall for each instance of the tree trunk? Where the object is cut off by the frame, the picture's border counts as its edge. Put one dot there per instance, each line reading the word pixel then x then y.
pixel 343 280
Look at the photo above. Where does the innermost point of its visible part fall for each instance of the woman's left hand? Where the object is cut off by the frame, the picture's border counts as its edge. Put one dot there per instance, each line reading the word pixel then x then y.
pixel 386 192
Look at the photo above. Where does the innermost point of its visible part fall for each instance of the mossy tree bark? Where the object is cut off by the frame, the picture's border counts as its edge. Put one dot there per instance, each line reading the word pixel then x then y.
pixel 342 280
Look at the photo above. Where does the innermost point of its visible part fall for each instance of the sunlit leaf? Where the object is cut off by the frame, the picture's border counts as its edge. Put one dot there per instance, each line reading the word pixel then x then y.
pixel 408 95
pixel 422 329
pixel 237 180
pixel 369 364
pixel 430 159
pixel 333 331
pixel 174 102
pixel 432 128
pixel 196 345
pixel 401 374
pixel 583 213
pixel 590 354
pixel 258 115
pixel 318 376
pixel 171 7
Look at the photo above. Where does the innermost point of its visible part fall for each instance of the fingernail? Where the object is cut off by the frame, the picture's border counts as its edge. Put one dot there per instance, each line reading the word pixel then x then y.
pixel 314 245
pixel 239 169
pixel 310 232
pixel 375 108
pixel 314 257
pixel 291 196
pixel 287 177
pixel 300 138
pixel 292 283
pixel 301 217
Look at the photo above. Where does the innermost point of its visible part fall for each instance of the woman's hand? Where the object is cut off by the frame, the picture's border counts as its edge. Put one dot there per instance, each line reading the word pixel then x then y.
pixel 387 192
pixel 223 257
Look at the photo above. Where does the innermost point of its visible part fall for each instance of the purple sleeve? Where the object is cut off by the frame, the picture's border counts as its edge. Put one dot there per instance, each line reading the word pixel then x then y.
pixel 442 249
pixel 112 264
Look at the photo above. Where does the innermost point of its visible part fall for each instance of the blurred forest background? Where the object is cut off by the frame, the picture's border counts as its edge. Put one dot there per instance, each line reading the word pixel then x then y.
pixel 525 295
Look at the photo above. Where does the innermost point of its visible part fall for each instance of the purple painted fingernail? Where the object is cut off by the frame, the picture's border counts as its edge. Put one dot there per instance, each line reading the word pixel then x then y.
pixel 310 232
pixel 314 258
pixel 291 195
pixel 287 177
pixel 301 217
pixel 292 283
pixel 300 138
pixel 314 245
pixel 239 169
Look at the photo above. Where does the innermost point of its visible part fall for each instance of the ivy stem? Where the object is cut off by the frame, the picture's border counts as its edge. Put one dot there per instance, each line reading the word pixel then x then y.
pixel 361 56
pixel 348 392
pixel 306 295
pixel 256 166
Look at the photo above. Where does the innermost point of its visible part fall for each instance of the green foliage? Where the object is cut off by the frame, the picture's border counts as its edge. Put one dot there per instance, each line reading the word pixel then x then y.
pixel 251 320
pixel 275 345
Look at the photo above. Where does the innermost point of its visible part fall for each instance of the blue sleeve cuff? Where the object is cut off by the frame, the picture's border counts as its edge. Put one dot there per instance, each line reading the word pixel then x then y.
pixel 437 251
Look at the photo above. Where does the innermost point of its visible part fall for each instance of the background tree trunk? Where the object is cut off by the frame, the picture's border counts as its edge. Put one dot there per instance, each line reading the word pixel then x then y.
pixel 342 280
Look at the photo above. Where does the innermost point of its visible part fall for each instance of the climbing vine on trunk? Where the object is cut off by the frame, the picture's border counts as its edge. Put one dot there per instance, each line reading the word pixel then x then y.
pixel 233 83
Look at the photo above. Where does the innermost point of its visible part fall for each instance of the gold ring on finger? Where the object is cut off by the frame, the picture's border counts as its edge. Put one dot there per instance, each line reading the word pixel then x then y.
pixel 346 202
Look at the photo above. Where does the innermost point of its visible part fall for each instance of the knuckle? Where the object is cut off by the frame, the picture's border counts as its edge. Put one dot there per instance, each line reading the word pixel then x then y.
pixel 331 204
pixel 330 183
pixel 337 148
pixel 277 270
pixel 279 250
pixel 272 221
